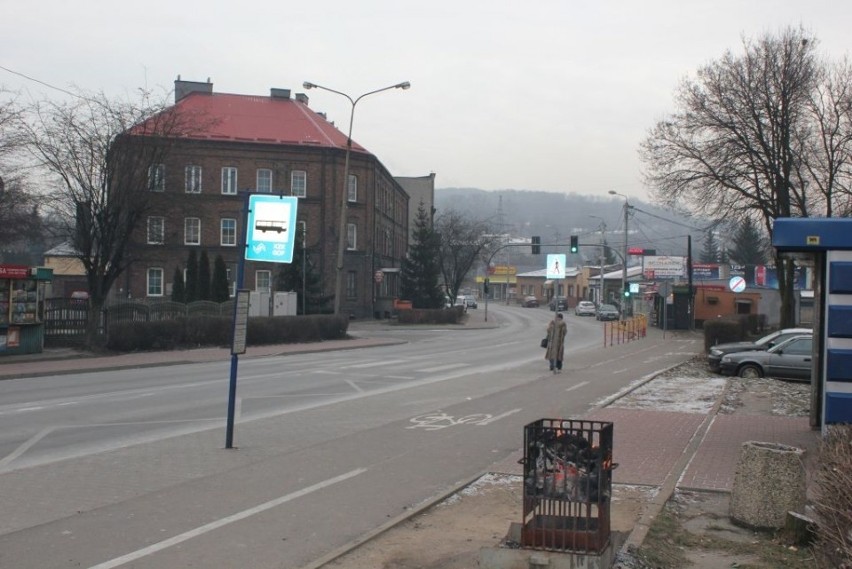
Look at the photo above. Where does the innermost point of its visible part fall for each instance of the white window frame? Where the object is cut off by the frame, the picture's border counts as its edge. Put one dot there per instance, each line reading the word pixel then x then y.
pixel 222 241
pixel 299 183
pixel 352 188
pixel 351 236
pixel 157 178
pixel 151 236
pixel 229 181
pixel 265 189
pixel 192 184
pixel 188 223
pixel 267 276
pixel 149 281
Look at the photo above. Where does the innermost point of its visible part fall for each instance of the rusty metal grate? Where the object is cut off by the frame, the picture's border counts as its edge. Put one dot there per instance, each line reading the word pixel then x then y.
pixel 567 485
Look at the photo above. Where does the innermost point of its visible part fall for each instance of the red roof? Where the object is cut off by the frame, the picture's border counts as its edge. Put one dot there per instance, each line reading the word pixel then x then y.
pixel 265 120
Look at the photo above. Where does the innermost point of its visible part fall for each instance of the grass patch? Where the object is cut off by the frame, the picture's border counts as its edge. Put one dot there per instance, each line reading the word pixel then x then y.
pixel 667 543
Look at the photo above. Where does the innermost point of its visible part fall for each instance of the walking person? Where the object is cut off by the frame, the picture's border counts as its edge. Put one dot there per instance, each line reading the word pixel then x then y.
pixel 556 330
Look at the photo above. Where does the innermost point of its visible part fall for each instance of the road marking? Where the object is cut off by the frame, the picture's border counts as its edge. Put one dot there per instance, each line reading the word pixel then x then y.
pixel 354 386
pixel 441 368
pixel 399 377
pixel 578 386
pixel 24 447
pixel 496 417
pixel 157 547
pixel 27 409
pixel 621 370
pixel 374 364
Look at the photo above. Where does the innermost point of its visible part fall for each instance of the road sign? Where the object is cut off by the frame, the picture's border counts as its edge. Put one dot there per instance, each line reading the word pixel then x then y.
pixel 270 233
pixel 737 284
pixel 556 266
pixel 238 346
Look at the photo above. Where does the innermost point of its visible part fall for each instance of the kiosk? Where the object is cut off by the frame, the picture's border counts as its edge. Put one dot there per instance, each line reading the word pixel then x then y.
pixel 827 244
pixel 22 291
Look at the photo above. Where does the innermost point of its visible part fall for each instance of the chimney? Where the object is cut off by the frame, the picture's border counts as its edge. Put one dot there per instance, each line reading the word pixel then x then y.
pixel 184 88
pixel 302 98
pixel 279 93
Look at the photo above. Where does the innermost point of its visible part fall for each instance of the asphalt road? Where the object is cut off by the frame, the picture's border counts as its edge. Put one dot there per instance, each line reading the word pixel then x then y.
pixel 126 468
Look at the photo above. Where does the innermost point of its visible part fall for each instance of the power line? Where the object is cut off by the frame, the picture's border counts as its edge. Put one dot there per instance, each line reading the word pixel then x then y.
pixel 40 82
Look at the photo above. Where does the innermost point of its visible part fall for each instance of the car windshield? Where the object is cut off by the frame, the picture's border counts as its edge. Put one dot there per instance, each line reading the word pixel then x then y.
pixel 607 308
pixel 767 339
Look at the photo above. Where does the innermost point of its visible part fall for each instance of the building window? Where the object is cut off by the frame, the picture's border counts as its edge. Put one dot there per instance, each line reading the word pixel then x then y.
pixel 156 230
pixel 191 231
pixel 303 231
pixel 193 179
pixel 351 284
pixel 155 281
pixel 263 281
pixel 351 236
pixel 264 180
pixel 299 183
pixel 232 284
pixel 157 177
pixel 352 190
pixel 229 180
pixel 228 232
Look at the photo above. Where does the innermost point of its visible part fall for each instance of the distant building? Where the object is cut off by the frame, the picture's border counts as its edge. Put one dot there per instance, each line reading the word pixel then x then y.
pixel 420 190
pixel 272 144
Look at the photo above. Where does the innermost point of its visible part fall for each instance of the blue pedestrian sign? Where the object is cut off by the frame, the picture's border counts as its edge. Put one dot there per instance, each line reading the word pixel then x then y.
pixel 270 231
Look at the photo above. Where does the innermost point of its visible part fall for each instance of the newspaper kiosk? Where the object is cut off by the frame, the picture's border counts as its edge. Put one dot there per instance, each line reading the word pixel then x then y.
pixel 22 291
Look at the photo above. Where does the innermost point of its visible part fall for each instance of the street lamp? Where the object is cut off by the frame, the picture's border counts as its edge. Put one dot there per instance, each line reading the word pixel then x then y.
pixel 603 256
pixel 624 259
pixel 341 237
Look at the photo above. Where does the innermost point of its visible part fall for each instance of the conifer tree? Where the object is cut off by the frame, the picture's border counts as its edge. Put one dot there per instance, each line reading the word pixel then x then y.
pixel 290 278
pixel 710 252
pixel 749 245
pixel 421 269
pixel 204 276
pixel 191 277
pixel 219 290
pixel 178 287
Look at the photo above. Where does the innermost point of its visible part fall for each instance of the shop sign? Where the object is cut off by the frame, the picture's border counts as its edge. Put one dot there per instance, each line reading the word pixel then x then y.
pixel 14 272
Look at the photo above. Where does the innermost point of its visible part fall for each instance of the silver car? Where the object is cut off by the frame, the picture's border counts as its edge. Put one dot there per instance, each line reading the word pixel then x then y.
pixel 790 359
pixel 714 356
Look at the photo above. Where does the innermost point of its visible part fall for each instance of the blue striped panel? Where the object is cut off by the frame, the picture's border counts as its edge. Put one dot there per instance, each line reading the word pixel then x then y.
pixel 838 408
pixel 840 277
pixel 840 321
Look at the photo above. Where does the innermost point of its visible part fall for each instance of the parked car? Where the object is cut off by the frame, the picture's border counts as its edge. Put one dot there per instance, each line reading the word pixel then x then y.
pixel 790 359
pixel 470 302
pixel 714 356
pixel 558 303
pixel 530 302
pixel 585 308
pixel 607 312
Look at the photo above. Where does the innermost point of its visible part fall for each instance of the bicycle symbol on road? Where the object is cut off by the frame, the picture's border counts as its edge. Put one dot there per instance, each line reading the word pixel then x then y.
pixel 437 421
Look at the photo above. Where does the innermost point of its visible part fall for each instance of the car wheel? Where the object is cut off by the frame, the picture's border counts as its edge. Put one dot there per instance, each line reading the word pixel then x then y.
pixel 750 371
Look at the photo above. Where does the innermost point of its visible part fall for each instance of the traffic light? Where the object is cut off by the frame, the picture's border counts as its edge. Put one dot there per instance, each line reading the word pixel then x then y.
pixel 575 244
pixel 485 286
pixel 536 245
pixel 626 290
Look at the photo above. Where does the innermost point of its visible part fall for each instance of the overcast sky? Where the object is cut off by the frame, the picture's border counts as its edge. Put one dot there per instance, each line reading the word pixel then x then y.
pixel 540 95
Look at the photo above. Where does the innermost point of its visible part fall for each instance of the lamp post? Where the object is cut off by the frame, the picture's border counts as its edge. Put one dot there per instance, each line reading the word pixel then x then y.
pixel 603 256
pixel 624 260
pixel 341 237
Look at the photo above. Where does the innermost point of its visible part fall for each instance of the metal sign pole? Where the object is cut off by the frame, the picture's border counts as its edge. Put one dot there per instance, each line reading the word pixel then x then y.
pixel 238 345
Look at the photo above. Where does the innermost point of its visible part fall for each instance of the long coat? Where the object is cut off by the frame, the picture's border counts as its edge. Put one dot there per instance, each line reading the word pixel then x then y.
pixel 556 331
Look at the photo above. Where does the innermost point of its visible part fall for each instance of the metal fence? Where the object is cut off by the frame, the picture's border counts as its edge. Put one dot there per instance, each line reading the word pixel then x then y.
pixel 66 318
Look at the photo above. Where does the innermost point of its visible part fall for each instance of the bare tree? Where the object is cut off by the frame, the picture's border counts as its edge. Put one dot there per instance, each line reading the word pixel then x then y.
pixel 463 241
pixel 101 152
pixel 19 208
pixel 744 142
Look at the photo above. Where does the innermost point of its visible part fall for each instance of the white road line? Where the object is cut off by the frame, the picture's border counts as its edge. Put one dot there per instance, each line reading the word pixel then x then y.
pixel 27 409
pixel 24 447
pixel 374 364
pixel 441 368
pixel 398 377
pixel 497 417
pixel 157 547
pixel 621 371
pixel 355 386
pixel 578 386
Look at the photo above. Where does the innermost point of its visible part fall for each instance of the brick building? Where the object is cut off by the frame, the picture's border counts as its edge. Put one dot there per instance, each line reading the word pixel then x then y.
pixel 273 144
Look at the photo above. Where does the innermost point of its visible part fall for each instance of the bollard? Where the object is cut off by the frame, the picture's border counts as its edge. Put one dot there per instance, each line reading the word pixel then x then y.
pixel 769 482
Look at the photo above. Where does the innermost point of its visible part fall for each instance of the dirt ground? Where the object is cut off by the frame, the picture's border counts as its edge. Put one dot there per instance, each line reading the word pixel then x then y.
pixel 693 531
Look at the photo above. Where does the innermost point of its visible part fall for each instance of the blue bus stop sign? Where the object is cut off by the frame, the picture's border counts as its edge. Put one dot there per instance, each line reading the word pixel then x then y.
pixel 271 228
